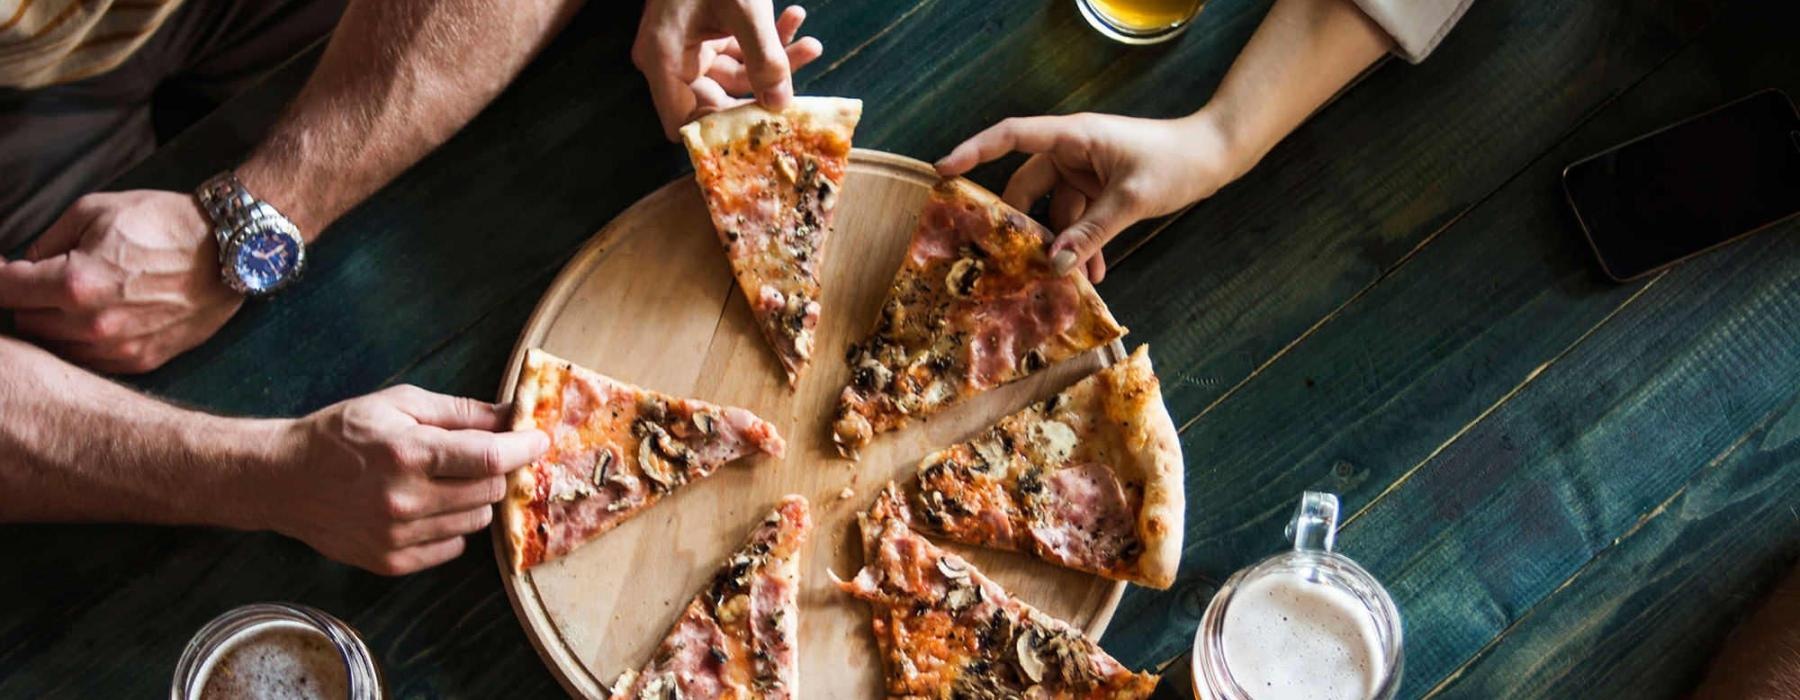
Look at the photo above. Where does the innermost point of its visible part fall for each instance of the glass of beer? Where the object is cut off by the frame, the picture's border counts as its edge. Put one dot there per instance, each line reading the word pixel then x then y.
pixel 1140 21
pixel 1306 624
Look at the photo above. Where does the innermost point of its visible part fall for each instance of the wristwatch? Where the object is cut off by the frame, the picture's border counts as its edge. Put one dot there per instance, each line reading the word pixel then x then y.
pixel 260 251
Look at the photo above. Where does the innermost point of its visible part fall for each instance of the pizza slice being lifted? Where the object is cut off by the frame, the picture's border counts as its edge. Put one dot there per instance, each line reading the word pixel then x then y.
pixel 976 304
pixel 947 631
pixel 1090 479
pixel 738 638
pixel 615 449
pixel 771 181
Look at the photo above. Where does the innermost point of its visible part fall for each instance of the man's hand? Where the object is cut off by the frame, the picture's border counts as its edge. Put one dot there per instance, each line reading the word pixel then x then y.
pixel 1102 173
pixel 391 482
pixel 702 56
pixel 122 282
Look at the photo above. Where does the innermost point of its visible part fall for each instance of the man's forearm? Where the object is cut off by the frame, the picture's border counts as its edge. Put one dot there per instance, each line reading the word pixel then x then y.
pixel 74 447
pixel 398 78
pixel 1304 52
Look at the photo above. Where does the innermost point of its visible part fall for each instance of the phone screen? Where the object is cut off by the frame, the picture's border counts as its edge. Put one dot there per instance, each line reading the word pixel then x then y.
pixel 1691 186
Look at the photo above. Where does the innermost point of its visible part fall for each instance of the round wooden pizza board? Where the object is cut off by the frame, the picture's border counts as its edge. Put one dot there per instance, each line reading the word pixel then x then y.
pixel 650 301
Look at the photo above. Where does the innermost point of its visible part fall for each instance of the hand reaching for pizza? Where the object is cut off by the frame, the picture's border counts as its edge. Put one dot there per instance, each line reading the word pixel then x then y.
pixel 702 56
pixel 1102 173
pixel 392 481
pixel 122 282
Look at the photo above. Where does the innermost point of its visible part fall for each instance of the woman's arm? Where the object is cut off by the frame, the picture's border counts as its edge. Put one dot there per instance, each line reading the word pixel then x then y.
pixel 1106 172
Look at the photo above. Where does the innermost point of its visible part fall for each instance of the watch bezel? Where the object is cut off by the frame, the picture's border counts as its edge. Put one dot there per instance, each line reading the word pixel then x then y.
pixel 259 225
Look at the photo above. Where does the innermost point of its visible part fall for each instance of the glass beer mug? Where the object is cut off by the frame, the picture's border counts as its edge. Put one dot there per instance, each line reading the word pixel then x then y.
pixel 1139 21
pixel 1306 623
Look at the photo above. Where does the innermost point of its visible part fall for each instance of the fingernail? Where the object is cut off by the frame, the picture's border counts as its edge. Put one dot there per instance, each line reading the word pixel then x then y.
pixel 1063 261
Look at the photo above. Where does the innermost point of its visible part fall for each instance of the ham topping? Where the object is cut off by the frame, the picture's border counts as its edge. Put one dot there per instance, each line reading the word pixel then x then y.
pixel 1004 329
pixel 1082 518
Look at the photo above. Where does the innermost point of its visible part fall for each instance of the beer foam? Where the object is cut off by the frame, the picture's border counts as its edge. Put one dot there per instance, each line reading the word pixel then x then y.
pixel 276 661
pixel 1289 638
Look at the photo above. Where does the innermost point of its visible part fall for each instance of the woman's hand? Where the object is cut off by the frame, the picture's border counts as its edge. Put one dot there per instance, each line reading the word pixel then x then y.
pixel 702 56
pixel 1103 173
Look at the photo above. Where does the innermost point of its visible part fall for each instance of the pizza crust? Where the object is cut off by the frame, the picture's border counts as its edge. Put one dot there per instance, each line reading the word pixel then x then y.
pixel 515 508
pixel 1154 450
pixel 720 129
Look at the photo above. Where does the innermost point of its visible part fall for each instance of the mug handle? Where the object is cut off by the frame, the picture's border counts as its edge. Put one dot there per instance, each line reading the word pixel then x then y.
pixel 1314 527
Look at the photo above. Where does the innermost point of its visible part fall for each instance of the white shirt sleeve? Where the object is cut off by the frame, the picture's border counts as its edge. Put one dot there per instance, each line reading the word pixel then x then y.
pixel 1416 25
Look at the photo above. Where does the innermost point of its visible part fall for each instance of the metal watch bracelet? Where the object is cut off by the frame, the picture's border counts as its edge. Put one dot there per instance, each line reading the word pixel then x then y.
pixel 235 213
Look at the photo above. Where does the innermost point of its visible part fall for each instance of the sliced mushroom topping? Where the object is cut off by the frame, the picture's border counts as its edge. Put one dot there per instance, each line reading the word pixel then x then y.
pixel 953 570
pixel 959 598
pixel 705 422
pixel 623 480
pixel 662 687
pixel 1055 441
pixel 623 683
pixel 1072 659
pixel 1031 483
pixel 651 410
pixel 961 280
pixel 790 172
pixel 1033 360
pixel 603 465
pixel 761 132
pixel 991 456
pixel 870 375
pixel 893 315
pixel 575 494
pixel 996 633
pixel 672 449
pixel 653 466
pixel 827 193
pixel 1025 649
pixel 851 428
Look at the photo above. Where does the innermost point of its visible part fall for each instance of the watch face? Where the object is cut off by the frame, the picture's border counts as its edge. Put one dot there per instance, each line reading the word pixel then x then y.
pixel 265 258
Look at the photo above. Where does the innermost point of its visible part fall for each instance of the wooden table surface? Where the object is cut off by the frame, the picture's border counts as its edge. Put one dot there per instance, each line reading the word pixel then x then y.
pixel 1572 487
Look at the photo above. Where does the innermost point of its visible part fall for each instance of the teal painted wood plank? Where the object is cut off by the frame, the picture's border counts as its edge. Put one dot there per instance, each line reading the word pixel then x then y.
pixel 1526 497
pixel 1388 379
pixel 1237 278
pixel 1645 617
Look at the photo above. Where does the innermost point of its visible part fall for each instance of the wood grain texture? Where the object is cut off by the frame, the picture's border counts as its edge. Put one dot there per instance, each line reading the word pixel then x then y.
pixel 431 281
pixel 1373 393
pixel 1638 620
pixel 1307 233
pixel 650 301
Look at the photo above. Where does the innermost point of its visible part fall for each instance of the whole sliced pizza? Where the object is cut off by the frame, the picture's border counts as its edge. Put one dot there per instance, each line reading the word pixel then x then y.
pixel 947 631
pixel 615 449
pixel 1090 478
pixel 771 181
pixel 736 640
pixel 976 304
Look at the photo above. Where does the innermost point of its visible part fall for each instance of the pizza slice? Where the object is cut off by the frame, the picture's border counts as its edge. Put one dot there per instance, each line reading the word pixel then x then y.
pixel 1090 479
pixel 947 631
pixel 736 639
pixel 615 449
pixel 771 181
pixel 976 304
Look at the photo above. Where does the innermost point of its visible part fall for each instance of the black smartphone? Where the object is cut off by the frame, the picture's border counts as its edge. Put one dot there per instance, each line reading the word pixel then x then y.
pixel 1689 187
